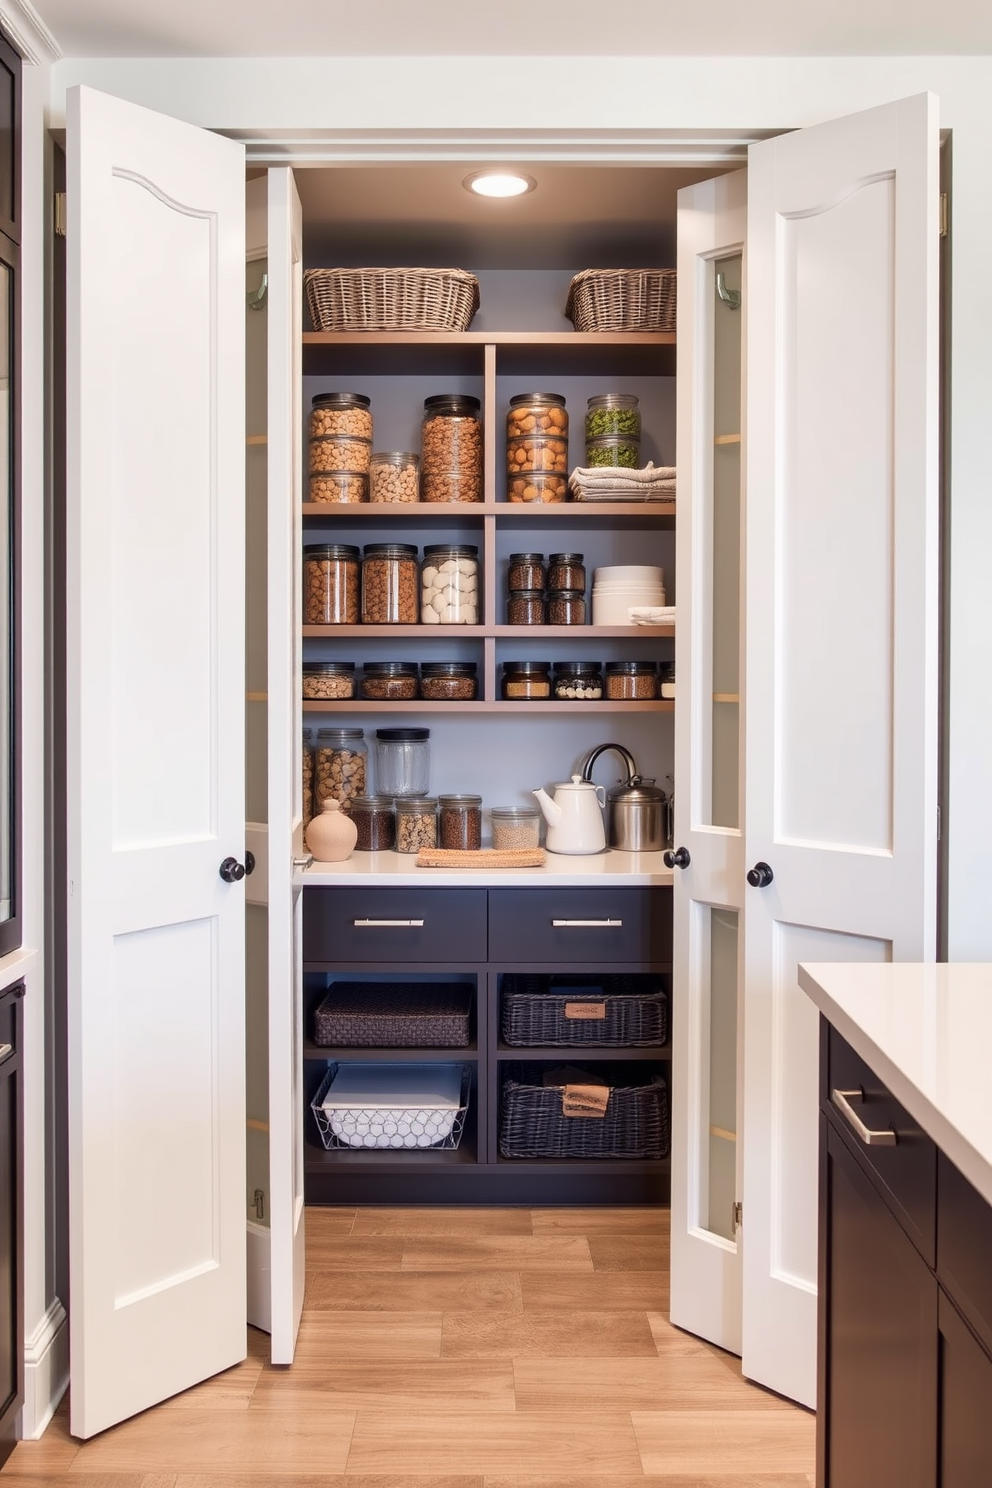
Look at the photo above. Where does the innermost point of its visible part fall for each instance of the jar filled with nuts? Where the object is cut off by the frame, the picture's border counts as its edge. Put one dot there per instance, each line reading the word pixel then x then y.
pixel 330 584
pixel 389 584
pixel 341 413
pixel 307 777
pixel 566 607
pixel 344 486
pixel 451 448
pixel 416 823
pixel 515 827
pixel 460 822
pixel 395 476
pixel 325 681
pixel 342 452
pixel 526 571
pixel 635 681
pixel 566 571
pixel 376 824
pixel 525 680
pixel 389 681
pixel 536 413
pixel 340 766
pixel 449 584
pixel 536 452
pixel 613 413
pixel 578 681
pixel 525 607
pixel 538 487
pixel 448 681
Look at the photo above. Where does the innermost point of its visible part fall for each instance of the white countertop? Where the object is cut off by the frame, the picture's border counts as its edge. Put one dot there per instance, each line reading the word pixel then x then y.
pixel 926 1031
pixel 610 869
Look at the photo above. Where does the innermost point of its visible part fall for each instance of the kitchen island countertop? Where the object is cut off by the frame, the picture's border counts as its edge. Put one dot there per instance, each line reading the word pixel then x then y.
pixel 611 869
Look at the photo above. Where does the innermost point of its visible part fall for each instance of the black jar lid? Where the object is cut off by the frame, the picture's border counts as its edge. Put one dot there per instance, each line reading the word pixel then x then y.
pixel 528 594
pixel 526 557
pixel 632 666
pixel 448 668
pixel 389 550
pixel 390 669
pixel 577 668
pixel 566 594
pixel 453 550
pixel 554 398
pixel 403 735
pixel 327 666
pixel 566 558
pixel 331 550
pixel 527 668
pixel 452 403
pixel 340 735
pixel 341 400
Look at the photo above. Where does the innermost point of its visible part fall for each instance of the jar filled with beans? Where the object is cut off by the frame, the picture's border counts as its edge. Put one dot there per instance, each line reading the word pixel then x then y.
pixel 339 485
pixel 634 681
pixel 566 571
pixel 448 681
pixel 536 487
pixel 460 822
pixel 525 607
pixel 515 827
pixel 613 413
pixel 326 681
pixel 416 823
pixel 341 413
pixel 526 571
pixel 540 453
pixel 451 448
pixel 345 453
pixel 526 680
pixel 389 681
pixel 536 413
pixel 340 766
pixel 376 824
pixel 330 584
pixel 449 584
pixel 390 588
pixel 395 476
pixel 578 681
pixel 566 607
pixel 307 777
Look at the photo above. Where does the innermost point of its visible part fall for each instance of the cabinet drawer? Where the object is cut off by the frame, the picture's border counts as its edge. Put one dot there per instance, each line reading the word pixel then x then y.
pixel 403 925
pixel 601 926
pixel 907 1170
pixel 964 1246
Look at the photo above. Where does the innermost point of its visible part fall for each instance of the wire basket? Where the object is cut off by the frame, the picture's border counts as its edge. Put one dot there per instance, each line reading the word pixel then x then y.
pixel 622 300
pixel 532 1122
pixel 391 299
pixel 605 1010
pixel 384 1126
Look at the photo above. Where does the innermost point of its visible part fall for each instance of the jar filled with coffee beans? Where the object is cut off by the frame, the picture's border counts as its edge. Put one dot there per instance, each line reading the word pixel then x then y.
pixel 389 681
pixel 525 571
pixel 451 448
pixel 566 571
pixel 460 822
pixel 341 413
pixel 327 681
pixel 395 476
pixel 390 587
pixel 376 824
pixel 340 766
pixel 633 681
pixel 416 823
pixel 525 607
pixel 307 777
pixel 330 584
pixel 578 681
pixel 566 607
pixel 526 680
pixel 448 681
pixel 449 584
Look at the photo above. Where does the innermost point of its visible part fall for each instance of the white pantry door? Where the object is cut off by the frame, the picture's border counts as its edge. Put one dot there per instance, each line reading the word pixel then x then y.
pixel 285 767
pixel 155 656
pixel 841 656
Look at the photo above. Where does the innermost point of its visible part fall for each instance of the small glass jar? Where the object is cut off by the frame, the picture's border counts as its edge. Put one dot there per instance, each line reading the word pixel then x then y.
pixel 516 827
pixel 449 584
pixel 539 488
pixel 395 476
pixel 330 584
pixel 613 413
pixel 376 824
pixel 536 413
pixel 536 452
pixel 526 571
pixel 327 681
pixel 526 679
pixel 341 413
pixel 614 451
pixel 389 584
pixel 342 486
pixel 448 681
pixel 632 681
pixel 578 681
pixel 340 452
pixel 340 766
pixel 525 607
pixel 389 681
pixel 566 607
pixel 666 679
pixel 566 571
pixel 460 822
pixel 451 448
pixel 416 823
pixel 402 761
pixel 307 777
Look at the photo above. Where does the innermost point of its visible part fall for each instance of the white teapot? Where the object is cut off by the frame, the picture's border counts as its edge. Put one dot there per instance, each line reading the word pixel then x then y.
pixel 574 816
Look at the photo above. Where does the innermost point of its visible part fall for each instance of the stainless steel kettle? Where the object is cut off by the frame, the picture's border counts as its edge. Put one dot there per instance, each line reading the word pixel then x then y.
pixel 635 809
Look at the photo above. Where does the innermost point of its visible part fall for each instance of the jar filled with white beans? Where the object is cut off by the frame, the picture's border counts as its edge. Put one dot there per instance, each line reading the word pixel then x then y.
pixel 449 585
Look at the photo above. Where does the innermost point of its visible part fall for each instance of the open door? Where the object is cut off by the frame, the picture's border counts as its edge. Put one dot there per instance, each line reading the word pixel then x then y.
pixel 155 748
pixel 842 642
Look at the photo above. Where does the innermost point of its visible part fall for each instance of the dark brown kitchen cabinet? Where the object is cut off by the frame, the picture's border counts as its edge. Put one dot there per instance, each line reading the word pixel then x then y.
pixel 11 1218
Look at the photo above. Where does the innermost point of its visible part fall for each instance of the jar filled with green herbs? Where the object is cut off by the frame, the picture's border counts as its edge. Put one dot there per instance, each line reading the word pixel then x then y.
pixel 613 413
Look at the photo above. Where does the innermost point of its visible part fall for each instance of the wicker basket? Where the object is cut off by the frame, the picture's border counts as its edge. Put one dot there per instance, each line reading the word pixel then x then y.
pixel 391 299
pixel 622 300
pixel 394 1015
pixel 635 1125
pixel 607 1010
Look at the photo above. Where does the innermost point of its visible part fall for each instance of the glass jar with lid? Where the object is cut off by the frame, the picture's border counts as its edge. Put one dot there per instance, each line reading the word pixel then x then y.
pixel 416 823
pixel 451 448
pixel 448 681
pixel 340 766
pixel 525 680
pixel 390 584
pixel 395 476
pixel 578 681
pixel 346 487
pixel 449 584
pixel 613 413
pixel 341 452
pixel 516 827
pixel 566 571
pixel 460 822
pixel 341 413
pixel 376 824
pixel 389 681
pixel 537 413
pixel 402 761
pixel 666 679
pixel 525 607
pixel 634 681
pixel 330 584
pixel 307 777
pixel 327 681
pixel 566 607
pixel 615 450
pixel 525 571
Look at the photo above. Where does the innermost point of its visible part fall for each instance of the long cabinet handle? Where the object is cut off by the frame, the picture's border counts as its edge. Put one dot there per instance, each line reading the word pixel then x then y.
pixel 598 924
pixel 378 924
pixel 5 1051
pixel 842 1100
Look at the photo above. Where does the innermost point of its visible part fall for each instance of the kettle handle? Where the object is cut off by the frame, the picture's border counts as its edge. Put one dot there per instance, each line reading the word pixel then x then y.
pixel 601 795
pixel 618 749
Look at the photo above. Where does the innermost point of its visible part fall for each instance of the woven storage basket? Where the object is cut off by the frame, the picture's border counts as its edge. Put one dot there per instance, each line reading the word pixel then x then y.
pixel 391 299
pixel 635 1124
pixel 394 1015
pixel 622 300
pixel 634 1014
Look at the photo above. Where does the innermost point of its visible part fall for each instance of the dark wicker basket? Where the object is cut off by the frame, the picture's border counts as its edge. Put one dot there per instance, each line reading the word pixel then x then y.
pixel 394 1015
pixel 391 299
pixel 622 300
pixel 625 1012
pixel 635 1124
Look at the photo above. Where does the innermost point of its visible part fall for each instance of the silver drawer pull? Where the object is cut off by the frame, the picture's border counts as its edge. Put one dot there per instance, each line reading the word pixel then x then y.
pixel 5 1051
pixel 377 924
pixel 842 1100
pixel 598 924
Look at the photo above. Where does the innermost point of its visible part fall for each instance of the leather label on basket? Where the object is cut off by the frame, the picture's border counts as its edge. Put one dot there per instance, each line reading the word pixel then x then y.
pixel 585 1010
pixel 585 1100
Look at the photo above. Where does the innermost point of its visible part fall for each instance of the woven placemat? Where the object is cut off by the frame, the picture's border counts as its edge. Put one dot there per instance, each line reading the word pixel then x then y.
pixel 483 857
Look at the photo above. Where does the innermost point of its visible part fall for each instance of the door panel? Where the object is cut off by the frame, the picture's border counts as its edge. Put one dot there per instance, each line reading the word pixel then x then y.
pixel 155 736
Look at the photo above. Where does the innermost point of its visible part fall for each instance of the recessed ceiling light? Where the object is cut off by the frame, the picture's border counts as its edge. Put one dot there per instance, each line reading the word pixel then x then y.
pixel 499 183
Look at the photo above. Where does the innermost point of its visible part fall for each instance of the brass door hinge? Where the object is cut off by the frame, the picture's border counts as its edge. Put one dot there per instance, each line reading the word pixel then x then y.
pixel 738 1215
pixel 60 214
pixel 945 212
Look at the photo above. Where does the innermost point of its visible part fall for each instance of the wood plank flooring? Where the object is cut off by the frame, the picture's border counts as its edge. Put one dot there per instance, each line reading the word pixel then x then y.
pixel 466 1348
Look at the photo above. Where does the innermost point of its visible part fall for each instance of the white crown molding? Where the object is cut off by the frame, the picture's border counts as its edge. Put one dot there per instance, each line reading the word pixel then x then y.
pixel 28 32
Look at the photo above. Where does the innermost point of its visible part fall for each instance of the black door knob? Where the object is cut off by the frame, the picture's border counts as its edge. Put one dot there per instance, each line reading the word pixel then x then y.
pixel 231 871
pixel 760 876
pixel 678 859
pixel 249 862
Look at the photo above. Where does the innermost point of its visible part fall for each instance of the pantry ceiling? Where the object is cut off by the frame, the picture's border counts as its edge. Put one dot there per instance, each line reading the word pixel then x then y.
pixel 301 28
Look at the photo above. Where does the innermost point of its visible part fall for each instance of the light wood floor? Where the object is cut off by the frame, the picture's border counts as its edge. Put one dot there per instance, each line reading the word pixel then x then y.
pixel 466 1348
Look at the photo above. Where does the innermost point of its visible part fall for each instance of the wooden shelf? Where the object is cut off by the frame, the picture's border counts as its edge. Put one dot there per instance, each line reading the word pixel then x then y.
pixel 572 1052
pixel 561 709
pixel 379 1055
pixel 574 340
pixel 480 632
pixel 657 513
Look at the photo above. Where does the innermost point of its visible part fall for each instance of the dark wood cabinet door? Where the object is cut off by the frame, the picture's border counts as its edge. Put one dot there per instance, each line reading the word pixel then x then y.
pixel 879 1311
pixel 965 1403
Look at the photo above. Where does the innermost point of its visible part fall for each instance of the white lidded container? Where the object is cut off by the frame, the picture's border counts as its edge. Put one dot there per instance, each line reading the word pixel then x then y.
pixel 392 1105
pixel 619 586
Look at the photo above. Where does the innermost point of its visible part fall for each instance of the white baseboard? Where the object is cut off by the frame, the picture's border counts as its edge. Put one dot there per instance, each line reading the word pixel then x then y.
pixel 259 1278
pixel 46 1372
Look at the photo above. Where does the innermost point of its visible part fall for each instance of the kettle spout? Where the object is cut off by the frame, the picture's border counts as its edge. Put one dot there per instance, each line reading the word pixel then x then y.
pixel 552 811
